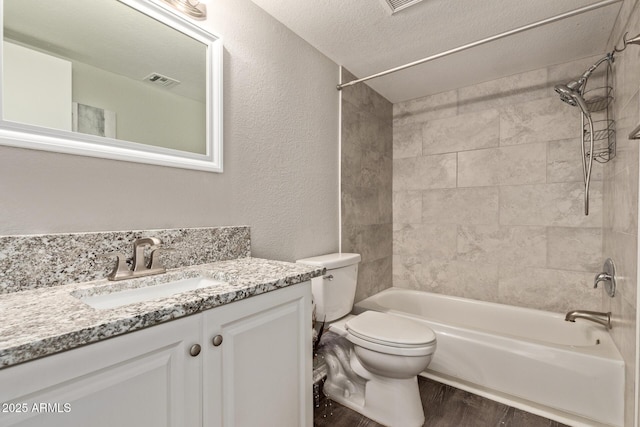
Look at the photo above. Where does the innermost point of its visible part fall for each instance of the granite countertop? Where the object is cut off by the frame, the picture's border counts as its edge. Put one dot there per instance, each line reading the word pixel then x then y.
pixel 44 321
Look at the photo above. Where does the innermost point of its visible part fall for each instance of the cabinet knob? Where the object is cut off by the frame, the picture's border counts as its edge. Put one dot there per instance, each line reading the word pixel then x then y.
pixel 195 350
pixel 217 340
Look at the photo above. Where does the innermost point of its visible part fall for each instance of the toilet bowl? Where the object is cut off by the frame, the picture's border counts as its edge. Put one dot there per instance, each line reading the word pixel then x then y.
pixel 389 345
pixel 387 352
pixel 374 372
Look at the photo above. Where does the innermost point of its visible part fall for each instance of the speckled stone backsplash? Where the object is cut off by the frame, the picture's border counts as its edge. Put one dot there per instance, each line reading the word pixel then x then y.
pixel 35 261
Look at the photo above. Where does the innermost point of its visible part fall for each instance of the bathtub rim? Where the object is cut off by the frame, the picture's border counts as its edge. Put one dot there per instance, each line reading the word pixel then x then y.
pixel 606 349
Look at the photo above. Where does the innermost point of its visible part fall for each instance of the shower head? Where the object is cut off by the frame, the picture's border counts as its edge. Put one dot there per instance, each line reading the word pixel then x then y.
pixel 571 92
pixel 574 87
pixel 573 96
pixel 566 94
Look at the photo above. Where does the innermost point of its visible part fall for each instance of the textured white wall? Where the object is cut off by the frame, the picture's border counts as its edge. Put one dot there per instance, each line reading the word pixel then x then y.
pixel 280 148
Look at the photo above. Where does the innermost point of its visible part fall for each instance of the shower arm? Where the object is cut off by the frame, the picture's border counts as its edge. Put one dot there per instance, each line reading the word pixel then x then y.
pixel 583 79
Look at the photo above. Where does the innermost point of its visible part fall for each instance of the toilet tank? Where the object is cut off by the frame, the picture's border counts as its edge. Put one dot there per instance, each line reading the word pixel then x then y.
pixel 333 293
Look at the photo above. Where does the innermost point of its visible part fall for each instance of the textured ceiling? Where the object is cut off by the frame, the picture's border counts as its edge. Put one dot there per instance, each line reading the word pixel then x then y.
pixel 364 37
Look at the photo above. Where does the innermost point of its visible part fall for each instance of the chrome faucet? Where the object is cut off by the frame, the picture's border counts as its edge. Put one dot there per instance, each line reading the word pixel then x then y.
pixel 594 316
pixel 140 266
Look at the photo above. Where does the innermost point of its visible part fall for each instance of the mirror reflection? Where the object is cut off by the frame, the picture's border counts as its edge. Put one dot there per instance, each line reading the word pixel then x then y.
pixel 102 68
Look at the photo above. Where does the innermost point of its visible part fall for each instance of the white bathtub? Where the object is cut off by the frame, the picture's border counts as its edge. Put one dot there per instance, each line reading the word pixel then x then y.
pixel 530 359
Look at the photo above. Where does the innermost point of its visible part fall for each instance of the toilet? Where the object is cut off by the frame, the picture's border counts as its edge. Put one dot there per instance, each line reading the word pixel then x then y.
pixel 375 373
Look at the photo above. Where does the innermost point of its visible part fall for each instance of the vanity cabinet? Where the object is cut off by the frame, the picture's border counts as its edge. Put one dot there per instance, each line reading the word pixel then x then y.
pixel 247 363
pixel 257 364
pixel 145 378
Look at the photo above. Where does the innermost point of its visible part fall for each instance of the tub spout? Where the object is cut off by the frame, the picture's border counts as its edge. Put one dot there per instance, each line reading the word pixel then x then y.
pixel 595 316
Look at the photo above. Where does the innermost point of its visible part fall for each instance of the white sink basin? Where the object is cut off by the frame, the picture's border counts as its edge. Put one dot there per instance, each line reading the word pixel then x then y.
pixel 163 290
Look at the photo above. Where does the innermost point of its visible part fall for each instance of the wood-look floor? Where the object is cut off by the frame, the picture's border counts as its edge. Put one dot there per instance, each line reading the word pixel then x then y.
pixel 444 406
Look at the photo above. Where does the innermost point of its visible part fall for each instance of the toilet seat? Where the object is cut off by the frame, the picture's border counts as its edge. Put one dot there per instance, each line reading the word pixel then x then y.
pixel 390 334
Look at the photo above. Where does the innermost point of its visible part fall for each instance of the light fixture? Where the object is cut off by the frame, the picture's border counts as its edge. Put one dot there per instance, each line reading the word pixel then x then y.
pixel 193 8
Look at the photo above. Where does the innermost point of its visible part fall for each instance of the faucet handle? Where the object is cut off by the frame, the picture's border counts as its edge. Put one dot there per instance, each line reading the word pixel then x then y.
pixel 138 251
pixel 121 269
pixel 601 277
pixel 154 262
pixel 608 276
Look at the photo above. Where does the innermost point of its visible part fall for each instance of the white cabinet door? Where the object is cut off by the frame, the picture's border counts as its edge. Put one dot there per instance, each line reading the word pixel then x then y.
pixel 260 374
pixel 146 378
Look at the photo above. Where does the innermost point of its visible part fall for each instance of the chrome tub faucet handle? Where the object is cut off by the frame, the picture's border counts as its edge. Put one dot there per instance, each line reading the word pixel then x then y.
pixel 608 276
pixel 601 277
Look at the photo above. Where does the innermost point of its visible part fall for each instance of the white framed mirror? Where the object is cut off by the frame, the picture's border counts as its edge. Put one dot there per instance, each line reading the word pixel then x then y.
pixel 119 79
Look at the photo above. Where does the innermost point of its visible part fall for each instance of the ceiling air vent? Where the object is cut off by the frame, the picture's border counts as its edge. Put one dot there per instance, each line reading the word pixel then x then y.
pixel 398 5
pixel 158 79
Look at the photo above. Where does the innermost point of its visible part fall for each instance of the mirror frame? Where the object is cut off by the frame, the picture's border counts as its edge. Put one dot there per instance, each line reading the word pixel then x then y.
pixel 60 141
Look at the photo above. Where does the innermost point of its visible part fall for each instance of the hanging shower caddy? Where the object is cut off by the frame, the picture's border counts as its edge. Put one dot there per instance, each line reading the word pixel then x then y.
pixel 598 136
pixel 604 133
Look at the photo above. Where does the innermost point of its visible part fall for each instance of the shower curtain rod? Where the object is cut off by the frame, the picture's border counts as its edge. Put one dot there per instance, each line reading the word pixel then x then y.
pixel 483 41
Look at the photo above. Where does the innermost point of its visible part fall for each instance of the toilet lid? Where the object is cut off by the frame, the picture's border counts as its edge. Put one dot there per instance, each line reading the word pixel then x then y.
pixel 391 330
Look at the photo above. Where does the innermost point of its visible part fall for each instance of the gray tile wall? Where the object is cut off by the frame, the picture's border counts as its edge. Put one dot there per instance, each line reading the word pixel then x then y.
pixel 366 162
pixel 488 195
pixel 620 203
